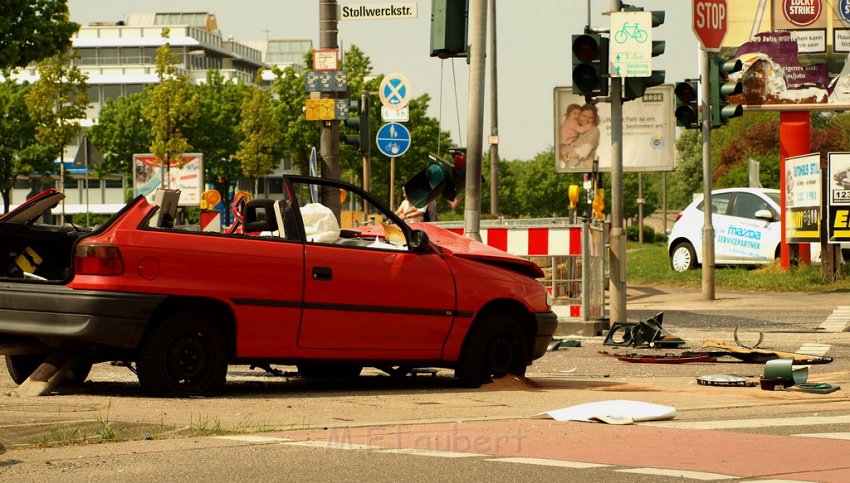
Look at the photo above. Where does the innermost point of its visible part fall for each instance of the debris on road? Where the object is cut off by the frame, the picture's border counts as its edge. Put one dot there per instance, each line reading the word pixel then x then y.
pixel 668 358
pixel 725 380
pixel 612 412
pixel 559 344
pixel 646 332
pixel 760 355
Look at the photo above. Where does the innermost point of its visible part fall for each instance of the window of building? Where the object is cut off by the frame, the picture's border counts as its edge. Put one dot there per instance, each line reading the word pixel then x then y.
pixel 130 89
pixel 108 55
pixel 275 185
pixel 111 91
pixel 94 93
pixel 149 55
pixel 113 183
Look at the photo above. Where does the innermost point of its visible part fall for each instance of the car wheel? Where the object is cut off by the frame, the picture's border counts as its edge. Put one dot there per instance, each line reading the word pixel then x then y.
pixel 683 257
pixel 494 348
pixel 21 367
pixel 328 372
pixel 184 356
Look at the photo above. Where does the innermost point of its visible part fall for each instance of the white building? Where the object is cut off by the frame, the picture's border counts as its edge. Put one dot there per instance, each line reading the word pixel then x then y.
pixel 120 60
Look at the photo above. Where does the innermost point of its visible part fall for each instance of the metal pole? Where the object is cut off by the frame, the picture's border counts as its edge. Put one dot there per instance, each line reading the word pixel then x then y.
pixel 617 265
pixel 329 137
pixel 392 183
pixel 494 116
pixel 367 150
pixel 640 208
pixel 707 228
pixel 475 123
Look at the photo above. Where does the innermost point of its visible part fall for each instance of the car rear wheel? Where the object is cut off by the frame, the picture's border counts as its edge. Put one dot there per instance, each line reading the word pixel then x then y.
pixel 495 348
pixel 21 367
pixel 185 356
pixel 683 257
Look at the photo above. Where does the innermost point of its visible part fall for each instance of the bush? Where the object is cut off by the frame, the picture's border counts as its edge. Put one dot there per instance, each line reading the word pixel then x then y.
pixel 648 234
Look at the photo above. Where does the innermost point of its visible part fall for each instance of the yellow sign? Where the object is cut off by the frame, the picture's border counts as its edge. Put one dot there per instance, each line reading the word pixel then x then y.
pixel 320 109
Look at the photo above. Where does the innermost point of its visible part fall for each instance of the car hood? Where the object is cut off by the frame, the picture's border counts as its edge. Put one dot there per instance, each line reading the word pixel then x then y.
pixel 463 247
pixel 34 207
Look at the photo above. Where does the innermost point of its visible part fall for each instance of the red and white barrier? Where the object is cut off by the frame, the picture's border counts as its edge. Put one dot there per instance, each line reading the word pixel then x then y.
pixel 210 221
pixel 533 242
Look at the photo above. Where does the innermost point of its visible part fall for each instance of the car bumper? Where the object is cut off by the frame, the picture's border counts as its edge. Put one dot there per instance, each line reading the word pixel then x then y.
pixel 547 323
pixel 60 313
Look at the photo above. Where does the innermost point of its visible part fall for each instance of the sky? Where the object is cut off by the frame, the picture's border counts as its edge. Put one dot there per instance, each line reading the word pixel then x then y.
pixel 533 52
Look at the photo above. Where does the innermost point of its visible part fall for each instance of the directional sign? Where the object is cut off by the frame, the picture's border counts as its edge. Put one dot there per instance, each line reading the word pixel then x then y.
pixel 631 44
pixel 710 20
pixel 394 91
pixel 393 139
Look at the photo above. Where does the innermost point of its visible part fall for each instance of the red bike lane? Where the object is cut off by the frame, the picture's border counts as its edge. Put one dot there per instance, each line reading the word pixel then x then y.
pixel 736 454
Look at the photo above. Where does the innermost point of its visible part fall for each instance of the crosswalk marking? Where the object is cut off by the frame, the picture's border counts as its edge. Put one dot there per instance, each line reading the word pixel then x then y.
pixel 753 423
pixel 432 452
pixel 330 445
pixel 692 475
pixel 837 320
pixel 813 349
pixel 548 462
pixel 250 438
pixel 825 435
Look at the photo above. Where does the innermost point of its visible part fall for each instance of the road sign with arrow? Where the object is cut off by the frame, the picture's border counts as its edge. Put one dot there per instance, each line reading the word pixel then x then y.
pixel 630 46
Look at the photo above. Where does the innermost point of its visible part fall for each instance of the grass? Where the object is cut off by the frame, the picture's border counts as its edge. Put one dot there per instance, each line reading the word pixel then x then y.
pixel 648 264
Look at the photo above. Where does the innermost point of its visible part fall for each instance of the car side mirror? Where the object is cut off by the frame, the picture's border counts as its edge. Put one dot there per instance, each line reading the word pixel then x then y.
pixel 419 241
pixel 764 215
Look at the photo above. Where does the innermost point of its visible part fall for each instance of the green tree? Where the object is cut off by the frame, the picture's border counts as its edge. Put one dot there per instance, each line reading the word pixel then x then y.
pixel 257 151
pixel 298 136
pixel 20 153
pixel 121 131
pixel 217 131
pixel 171 107
pixel 32 30
pixel 57 102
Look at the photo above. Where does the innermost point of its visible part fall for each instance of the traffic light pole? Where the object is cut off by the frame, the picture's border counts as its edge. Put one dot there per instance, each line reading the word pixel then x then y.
pixel 475 124
pixel 707 228
pixel 329 137
pixel 617 254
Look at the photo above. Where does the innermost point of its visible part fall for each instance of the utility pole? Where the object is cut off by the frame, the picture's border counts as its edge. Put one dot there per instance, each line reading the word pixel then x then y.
pixel 494 117
pixel 617 254
pixel 329 138
pixel 475 124
pixel 707 228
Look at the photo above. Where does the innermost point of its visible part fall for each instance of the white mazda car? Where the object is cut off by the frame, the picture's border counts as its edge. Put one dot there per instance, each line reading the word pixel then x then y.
pixel 746 225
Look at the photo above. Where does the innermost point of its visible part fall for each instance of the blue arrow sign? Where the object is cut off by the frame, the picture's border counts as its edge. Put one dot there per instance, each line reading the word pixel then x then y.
pixel 393 139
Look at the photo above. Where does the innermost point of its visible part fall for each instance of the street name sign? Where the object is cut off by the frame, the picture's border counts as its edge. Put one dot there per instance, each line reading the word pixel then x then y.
pixel 377 11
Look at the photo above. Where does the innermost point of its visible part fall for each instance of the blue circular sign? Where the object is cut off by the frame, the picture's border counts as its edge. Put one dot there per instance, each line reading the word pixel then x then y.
pixel 393 139
pixel 844 10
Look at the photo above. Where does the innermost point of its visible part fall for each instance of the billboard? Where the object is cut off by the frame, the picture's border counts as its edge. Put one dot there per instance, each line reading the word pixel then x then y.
pixel 187 175
pixel 583 132
pixel 802 198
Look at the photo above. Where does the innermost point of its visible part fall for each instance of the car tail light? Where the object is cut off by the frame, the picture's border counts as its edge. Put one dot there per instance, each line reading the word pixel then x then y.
pixel 678 216
pixel 98 259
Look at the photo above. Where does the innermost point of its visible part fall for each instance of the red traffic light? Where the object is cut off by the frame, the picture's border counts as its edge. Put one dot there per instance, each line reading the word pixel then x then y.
pixel 586 48
pixel 685 91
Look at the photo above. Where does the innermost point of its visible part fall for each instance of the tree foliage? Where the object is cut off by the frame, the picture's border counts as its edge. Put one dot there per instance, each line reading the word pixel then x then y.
pixel 171 107
pixel 20 153
pixel 121 131
pixel 261 135
pixel 57 101
pixel 32 30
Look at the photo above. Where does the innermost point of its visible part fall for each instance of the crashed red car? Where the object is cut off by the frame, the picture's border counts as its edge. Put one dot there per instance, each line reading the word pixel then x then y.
pixel 329 289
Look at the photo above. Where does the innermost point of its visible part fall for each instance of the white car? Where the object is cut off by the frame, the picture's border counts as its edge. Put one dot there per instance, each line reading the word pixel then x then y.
pixel 746 225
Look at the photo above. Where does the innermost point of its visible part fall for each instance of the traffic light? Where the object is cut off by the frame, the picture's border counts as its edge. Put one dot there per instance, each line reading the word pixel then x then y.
pixel 590 65
pixel 635 87
pixel 358 118
pixel 721 88
pixel 448 28
pixel 440 178
pixel 687 108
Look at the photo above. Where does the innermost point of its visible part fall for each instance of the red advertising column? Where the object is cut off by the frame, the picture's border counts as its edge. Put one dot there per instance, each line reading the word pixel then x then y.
pixel 794 131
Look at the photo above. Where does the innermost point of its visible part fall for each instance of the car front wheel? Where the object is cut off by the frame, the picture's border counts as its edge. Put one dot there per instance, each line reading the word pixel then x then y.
pixel 495 347
pixel 683 257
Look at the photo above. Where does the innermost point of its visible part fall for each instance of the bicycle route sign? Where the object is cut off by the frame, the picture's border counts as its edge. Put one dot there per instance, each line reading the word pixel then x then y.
pixel 393 139
pixel 630 45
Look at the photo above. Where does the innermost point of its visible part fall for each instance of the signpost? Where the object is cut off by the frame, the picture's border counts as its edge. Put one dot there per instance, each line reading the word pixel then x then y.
pixel 710 23
pixel 393 140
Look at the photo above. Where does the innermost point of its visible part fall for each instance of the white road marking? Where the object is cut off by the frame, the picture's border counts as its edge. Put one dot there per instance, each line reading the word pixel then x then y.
pixel 754 423
pixel 548 462
pixel 691 475
pixel 826 435
pixel 432 452
pixel 330 445
pixel 837 320
pixel 812 349
pixel 248 438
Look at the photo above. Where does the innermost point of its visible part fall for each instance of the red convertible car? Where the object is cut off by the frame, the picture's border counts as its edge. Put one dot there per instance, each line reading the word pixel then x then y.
pixel 330 289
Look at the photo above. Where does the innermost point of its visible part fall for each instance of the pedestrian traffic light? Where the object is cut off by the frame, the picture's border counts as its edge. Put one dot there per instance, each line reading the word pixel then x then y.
pixel 590 65
pixel 722 87
pixel 635 87
pixel 687 108
pixel 449 28
pixel 358 117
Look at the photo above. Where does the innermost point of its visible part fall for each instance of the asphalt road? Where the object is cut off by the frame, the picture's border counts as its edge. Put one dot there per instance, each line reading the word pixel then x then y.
pixel 278 427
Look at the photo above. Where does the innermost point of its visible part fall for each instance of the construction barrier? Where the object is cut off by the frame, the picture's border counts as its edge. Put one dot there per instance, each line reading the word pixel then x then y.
pixel 572 257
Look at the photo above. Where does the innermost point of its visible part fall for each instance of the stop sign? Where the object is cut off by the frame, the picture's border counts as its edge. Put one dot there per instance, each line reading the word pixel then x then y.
pixel 710 18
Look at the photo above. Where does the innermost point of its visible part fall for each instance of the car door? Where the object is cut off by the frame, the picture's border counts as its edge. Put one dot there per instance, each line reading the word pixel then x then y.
pixel 742 237
pixel 364 289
